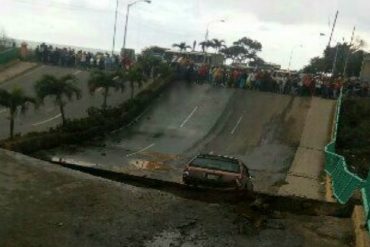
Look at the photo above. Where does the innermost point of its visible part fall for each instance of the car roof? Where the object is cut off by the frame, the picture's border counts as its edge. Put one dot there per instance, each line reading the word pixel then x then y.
pixel 218 157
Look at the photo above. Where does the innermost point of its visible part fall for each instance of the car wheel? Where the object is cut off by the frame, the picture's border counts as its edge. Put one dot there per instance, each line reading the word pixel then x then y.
pixel 250 186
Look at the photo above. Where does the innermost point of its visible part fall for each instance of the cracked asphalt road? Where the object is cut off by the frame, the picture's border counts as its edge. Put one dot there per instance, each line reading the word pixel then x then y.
pixel 262 129
pixel 47 205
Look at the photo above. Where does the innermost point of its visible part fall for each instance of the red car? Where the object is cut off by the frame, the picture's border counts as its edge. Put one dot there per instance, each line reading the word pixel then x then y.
pixel 217 171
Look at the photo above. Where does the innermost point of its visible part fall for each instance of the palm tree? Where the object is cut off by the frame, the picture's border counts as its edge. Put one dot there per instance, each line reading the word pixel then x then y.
pixel 135 76
pixel 60 89
pixel 15 100
pixel 206 44
pixel 99 79
pixel 182 46
pixel 218 44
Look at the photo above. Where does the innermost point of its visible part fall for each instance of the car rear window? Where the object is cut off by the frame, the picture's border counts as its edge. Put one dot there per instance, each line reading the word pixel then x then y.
pixel 215 164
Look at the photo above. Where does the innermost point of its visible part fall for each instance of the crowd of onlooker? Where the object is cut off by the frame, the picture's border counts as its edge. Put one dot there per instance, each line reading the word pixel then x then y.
pixel 223 76
pixel 69 57
pixel 271 81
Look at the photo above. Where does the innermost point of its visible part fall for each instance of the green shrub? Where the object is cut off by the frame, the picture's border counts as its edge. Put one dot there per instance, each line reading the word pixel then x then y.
pixel 98 123
pixel 353 140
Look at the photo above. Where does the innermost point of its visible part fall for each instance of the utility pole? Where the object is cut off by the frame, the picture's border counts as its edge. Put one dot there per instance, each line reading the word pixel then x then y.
pixel 206 36
pixel 126 22
pixel 290 59
pixel 349 52
pixel 115 29
pixel 332 30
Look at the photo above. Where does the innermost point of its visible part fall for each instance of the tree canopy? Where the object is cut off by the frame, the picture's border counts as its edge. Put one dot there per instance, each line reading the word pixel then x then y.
pixel 243 50
pixel 15 100
pixel 182 46
pixel 99 79
pixel 324 64
pixel 59 88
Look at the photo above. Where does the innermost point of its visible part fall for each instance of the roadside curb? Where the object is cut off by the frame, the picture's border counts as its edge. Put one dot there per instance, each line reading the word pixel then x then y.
pixel 329 196
pixel 295 204
pixel 36 65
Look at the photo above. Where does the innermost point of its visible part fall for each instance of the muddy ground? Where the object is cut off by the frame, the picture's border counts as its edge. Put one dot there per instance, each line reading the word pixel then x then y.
pixel 46 205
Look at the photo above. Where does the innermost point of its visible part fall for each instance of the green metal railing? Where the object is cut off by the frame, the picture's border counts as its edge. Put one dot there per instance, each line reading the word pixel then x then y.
pixel 344 182
pixel 366 202
pixel 8 55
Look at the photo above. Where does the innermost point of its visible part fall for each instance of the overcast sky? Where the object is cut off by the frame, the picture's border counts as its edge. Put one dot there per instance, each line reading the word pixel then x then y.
pixel 280 25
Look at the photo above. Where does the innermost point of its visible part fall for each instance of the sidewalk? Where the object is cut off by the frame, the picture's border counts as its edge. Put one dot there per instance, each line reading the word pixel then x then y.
pixel 304 175
pixel 16 69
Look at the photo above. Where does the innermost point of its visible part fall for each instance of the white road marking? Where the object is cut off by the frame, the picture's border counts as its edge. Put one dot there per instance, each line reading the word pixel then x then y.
pixel 77 72
pixel 142 150
pixel 48 120
pixel 188 118
pixel 236 126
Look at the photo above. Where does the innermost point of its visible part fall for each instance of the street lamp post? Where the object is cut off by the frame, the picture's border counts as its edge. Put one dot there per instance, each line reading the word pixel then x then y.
pixel 127 15
pixel 115 28
pixel 348 53
pixel 291 56
pixel 209 23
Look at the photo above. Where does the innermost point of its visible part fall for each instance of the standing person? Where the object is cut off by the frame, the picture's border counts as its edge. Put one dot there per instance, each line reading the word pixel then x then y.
pixel 306 81
pixel 202 73
pixel 325 88
pixel 364 89
pixel 331 88
pixel 253 80
pixel 312 86
pixel 98 58
pixel 337 87
pixel 214 76
pixel 43 51
pixel 219 76
pixel 283 82
pixel 300 89
pixel 243 79
pixel 106 61
pixel 296 85
pixel 92 62
pixel 318 86
pixel 83 60
pixel 288 85
pixel 189 73
pixel 258 80
pixel 235 77
pixel 248 83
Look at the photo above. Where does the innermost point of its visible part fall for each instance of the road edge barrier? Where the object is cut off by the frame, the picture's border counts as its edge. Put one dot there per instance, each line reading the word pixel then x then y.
pixel 8 55
pixel 344 182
